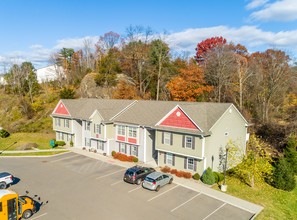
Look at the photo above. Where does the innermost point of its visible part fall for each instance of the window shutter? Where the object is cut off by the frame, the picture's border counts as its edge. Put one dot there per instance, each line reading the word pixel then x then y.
pixel 136 151
pixel 173 160
pixel 162 137
pixel 193 142
pixel 99 128
pixel 195 165
pixel 171 138
pixel 164 158
pixel 185 163
pixel 130 149
pixel 94 128
pixel 184 139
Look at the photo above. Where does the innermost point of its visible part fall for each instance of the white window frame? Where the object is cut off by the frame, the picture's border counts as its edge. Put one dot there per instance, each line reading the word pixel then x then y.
pixel 190 166
pixel 87 126
pixel 132 132
pixel 66 123
pixel 134 150
pixel 167 138
pixel 98 130
pixel 122 147
pixel 169 159
pixel 100 145
pixel 190 143
pixel 121 130
pixel 58 121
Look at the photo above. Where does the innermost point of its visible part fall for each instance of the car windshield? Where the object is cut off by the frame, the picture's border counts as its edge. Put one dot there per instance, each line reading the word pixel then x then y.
pixel 149 179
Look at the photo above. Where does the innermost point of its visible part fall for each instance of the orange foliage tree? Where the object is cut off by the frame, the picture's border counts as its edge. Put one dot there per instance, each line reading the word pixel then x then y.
pixel 189 85
pixel 125 91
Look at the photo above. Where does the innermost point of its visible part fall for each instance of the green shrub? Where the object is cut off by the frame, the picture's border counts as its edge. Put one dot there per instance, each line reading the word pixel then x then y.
pixel 113 153
pixel 290 153
pixel 135 159
pixel 196 176
pixel 4 133
pixel 60 143
pixel 216 176
pixel 283 176
pixel 208 177
pixel 71 143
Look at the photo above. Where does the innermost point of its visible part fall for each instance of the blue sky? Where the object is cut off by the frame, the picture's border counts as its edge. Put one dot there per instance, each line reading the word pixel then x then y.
pixel 33 29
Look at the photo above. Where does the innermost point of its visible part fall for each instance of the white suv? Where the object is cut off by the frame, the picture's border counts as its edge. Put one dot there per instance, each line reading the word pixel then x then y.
pixel 5 180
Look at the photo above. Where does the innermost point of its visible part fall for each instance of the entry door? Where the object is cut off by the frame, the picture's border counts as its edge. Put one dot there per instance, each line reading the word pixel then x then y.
pixel 11 209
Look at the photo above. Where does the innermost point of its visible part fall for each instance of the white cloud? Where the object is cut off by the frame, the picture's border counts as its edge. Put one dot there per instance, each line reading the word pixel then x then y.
pixel 254 38
pixel 255 4
pixel 282 10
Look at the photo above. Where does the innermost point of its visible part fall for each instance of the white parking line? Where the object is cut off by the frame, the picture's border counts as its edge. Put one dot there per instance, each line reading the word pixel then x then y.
pixel 37 217
pixel 116 183
pixel 64 158
pixel 162 193
pixel 214 211
pixel 139 187
pixel 185 202
pixel 110 174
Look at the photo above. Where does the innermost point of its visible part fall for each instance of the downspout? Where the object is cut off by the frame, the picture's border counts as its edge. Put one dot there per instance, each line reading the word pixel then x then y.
pixel 203 153
pixel 144 145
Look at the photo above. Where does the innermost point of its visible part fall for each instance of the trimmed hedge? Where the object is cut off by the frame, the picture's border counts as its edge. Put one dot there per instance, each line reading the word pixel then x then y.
pixel 208 177
pixel 196 176
pixel 178 173
pixel 124 157
pixel 60 143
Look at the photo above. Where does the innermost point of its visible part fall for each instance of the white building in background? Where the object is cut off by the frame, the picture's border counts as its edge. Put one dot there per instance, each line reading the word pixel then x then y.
pixel 49 73
pixel 2 80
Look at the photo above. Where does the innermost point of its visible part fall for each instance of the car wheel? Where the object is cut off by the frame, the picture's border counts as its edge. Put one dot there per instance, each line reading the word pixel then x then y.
pixel 2 185
pixel 158 188
pixel 170 181
pixel 138 182
pixel 27 214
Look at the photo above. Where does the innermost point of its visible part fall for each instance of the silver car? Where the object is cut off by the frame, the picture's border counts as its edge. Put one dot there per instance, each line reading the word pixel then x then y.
pixel 155 180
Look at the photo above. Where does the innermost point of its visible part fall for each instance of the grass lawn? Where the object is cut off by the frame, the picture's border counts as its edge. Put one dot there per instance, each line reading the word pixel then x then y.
pixel 48 153
pixel 278 204
pixel 41 139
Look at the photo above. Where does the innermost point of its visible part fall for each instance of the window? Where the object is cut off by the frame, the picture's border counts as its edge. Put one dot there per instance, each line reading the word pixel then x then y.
pixel 169 158
pixel 66 123
pixel 98 128
pixel 190 164
pixel 100 145
pixel 57 121
pixel 188 141
pixel 121 130
pixel 167 138
pixel 87 126
pixel 122 148
pixel 132 132
pixel 134 150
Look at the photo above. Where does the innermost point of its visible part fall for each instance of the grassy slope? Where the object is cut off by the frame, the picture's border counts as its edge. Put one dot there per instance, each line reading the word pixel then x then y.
pixel 278 204
pixel 41 139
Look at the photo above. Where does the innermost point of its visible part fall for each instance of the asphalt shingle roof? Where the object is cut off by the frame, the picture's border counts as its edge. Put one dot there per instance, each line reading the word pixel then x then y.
pixel 145 112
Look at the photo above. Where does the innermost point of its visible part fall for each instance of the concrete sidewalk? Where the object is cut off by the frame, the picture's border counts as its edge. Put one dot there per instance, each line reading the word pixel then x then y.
pixel 188 183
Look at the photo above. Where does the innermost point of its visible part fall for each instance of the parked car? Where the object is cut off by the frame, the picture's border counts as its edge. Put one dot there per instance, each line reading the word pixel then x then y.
pixel 137 174
pixel 5 180
pixel 156 180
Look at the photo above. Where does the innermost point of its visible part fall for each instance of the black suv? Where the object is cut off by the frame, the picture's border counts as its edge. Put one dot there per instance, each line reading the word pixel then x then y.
pixel 137 174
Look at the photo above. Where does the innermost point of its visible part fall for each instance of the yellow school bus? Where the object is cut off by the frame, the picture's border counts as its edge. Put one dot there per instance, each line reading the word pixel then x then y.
pixel 15 207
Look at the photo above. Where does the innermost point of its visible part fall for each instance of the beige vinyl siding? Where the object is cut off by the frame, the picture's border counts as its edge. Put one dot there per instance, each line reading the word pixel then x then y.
pixel 230 127
pixel 179 163
pixel 60 124
pixel 178 146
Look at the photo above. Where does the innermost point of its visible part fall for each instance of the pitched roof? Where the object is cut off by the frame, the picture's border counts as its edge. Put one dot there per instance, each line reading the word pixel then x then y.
pixel 84 108
pixel 149 113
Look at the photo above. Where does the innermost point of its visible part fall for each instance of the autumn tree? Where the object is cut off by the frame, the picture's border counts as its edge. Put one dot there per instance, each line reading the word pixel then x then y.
pixel 270 82
pixel 189 85
pixel 159 58
pixel 125 90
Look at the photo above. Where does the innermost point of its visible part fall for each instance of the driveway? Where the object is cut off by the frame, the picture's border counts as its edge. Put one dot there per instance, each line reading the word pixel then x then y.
pixel 78 188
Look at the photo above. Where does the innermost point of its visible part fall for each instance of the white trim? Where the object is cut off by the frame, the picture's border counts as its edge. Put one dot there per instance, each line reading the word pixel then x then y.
pixel 60 102
pixel 124 109
pixel 126 124
pixel 93 114
pixel 227 110
pixel 104 131
pixel 169 113
pixel 63 131
pixel 144 145
pixel 175 153
pixel 204 163
pixel 203 147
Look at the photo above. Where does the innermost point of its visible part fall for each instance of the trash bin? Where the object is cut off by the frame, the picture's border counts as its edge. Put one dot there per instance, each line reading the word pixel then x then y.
pixel 52 143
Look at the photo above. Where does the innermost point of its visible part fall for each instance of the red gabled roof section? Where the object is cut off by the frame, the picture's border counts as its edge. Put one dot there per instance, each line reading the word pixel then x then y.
pixel 178 119
pixel 61 109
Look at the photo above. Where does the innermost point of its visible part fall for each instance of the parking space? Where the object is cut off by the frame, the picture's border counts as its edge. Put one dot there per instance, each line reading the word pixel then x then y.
pixel 78 187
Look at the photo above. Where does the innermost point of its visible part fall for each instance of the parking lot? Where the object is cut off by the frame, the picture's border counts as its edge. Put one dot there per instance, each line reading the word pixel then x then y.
pixel 78 188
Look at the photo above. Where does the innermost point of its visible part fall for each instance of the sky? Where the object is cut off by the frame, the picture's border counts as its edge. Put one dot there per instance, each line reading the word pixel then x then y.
pixel 32 30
